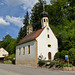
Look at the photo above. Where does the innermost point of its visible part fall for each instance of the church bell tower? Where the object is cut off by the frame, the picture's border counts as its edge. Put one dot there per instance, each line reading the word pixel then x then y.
pixel 44 17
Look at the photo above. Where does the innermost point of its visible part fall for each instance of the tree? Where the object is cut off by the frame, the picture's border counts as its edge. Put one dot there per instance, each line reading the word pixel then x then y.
pixel 72 55
pixel 26 23
pixel 23 31
pixel 20 35
pixel 57 55
pixel 0 44
pixel 11 47
pixel 36 15
pixel 6 41
pixel 63 53
pixel 57 11
pixel 9 44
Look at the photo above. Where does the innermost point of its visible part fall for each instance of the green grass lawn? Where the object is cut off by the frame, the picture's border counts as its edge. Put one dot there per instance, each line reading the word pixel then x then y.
pixel 7 62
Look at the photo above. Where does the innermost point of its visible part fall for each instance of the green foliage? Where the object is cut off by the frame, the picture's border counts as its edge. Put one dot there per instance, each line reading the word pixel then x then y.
pixel 9 44
pixel 23 30
pixel 6 41
pixel 72 55
pixel 67 65
pixel 57 11
pixel 63 53
pixel 52 64
pixel 41 63
pixel 20 35
pixel 12 46
pixel 35 15
pixel 7 62
pixel 12 55
pixel 61 64
pixel 26 23
pixel 0 44
pixel 57 55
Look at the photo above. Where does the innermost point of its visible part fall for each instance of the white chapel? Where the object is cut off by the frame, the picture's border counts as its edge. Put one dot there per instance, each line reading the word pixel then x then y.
pixel 42 42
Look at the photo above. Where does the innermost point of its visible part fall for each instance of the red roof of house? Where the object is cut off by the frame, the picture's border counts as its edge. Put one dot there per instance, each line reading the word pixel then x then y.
pixel 32 36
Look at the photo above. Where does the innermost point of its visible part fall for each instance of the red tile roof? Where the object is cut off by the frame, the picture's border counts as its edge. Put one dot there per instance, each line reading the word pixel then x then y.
pixel 32 36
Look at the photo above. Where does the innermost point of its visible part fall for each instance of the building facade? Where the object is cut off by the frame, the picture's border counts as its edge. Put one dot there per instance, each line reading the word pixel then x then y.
pixel 3 53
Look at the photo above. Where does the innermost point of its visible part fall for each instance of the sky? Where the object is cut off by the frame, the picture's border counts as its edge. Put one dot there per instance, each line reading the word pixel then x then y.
pixel 12 13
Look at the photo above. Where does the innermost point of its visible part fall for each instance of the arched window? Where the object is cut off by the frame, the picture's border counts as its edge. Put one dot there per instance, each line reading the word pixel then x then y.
pixel 44 20
pixel 19 51
pixel 28 49
pixel 50 56
pixel 48 36
pixel 23 50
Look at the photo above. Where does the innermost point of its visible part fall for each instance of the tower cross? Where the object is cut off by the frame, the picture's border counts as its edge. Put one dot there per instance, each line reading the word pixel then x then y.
pixel 44 5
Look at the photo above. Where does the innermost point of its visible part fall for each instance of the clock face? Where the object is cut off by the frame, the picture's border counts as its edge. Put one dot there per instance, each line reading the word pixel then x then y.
pixel 47 28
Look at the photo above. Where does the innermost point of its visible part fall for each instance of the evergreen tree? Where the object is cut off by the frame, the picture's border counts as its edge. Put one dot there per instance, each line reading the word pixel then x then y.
pixel 36 15
pixel 23 30
pixel 26 23
pixel 20 35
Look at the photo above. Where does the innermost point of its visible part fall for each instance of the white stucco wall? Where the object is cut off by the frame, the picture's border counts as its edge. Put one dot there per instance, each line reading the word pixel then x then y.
pixel 43 42
pixel 3 52
pixel 26 59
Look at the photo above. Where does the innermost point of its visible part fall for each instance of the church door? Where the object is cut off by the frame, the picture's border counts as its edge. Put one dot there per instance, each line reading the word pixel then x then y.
pixel 49 55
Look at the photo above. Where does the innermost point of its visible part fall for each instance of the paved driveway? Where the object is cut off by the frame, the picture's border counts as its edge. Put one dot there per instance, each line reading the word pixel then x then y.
pixel 22 70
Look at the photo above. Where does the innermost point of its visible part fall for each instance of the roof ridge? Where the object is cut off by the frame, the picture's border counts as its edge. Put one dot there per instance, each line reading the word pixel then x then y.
pixel 32 36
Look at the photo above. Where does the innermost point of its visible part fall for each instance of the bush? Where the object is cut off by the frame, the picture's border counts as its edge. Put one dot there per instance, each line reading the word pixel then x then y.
pixel 67 65
pixel 57 55
pixel 72 56
pixel 61 64
pixel 12 55
pixel 8 58
pixel 41 62
pixel 63 53
pixel 52 64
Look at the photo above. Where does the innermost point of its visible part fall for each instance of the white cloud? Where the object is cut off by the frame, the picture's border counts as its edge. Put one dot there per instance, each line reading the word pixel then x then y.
pixel 1 3
pixel 3 22
pixel 15 20
pixel 29 10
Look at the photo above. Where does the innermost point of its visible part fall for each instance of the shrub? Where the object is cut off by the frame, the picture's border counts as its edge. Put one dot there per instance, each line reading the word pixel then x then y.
pixel 67 65
pixel 57 55
pixel 72 56
pixel 63 53
pixel 12 55
pixel 52 64
pixel 41 62
pixel 8 58
pixel 61 64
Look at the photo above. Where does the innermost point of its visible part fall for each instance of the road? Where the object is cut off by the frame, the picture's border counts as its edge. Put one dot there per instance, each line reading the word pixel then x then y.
pixel 22 70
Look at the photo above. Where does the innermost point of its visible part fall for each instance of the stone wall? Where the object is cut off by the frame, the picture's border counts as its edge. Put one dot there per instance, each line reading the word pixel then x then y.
pixel 68 68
